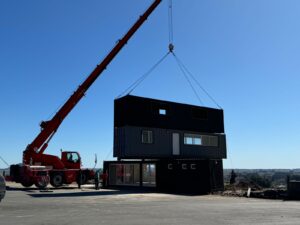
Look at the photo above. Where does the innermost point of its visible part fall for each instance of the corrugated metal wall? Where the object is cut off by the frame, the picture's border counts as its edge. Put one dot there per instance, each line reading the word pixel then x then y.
pixel 128 144
pixel 179 176
pixel 145 112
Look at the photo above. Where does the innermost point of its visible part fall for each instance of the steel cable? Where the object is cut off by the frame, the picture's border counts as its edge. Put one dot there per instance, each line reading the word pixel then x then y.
pixel 188 80
pixel 135 84
pixel 196 81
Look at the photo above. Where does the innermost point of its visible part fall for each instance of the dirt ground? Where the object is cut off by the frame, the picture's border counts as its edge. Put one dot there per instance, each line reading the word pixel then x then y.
pixel 112 207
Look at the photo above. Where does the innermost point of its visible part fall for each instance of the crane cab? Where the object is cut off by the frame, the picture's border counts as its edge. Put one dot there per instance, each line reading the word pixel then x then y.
pixel 71 160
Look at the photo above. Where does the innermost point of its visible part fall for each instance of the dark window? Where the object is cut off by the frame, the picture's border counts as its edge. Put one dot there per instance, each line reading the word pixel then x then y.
pixel 213 141
pixel 147 137
pixel 149 175
pixel 124 174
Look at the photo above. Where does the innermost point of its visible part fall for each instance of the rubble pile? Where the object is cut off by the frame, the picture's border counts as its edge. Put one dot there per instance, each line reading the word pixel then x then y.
pixel 249 189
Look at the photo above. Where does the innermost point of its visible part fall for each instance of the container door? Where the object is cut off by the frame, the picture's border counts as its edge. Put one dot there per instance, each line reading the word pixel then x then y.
pixel 176 144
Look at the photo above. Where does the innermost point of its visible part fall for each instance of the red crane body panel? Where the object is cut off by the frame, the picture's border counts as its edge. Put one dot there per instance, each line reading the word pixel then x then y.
pixel 34 153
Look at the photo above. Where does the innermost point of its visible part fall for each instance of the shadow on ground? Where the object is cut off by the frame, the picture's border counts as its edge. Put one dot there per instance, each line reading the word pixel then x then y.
pixel 33 189
pixel 87 193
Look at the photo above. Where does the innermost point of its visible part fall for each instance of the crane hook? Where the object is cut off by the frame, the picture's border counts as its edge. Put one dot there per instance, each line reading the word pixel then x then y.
pixel 171 47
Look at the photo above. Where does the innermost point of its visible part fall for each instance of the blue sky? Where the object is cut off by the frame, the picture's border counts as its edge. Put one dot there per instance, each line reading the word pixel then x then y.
pixel 245 53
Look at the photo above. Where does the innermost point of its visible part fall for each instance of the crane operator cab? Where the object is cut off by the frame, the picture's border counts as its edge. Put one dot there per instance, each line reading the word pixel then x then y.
pixel 72 160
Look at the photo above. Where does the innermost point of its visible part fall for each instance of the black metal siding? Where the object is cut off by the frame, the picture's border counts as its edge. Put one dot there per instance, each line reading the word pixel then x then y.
pixel 181 176
pixel 128 145
pixel 144 112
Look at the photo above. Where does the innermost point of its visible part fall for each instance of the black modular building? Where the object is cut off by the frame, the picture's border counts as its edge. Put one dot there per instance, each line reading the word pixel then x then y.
pixel 170 146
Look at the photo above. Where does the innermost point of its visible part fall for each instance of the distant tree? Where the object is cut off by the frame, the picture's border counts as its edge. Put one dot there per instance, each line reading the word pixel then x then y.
pixel 295 177
pixel 279 176
pixel 232 177
pixel 262 181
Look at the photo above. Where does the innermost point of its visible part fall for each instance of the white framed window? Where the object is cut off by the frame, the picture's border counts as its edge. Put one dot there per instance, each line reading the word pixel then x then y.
pixel 147 137
pixel 188 140
pixel 162 112
pixel 197 141
pixel 192 139
pixel 203 140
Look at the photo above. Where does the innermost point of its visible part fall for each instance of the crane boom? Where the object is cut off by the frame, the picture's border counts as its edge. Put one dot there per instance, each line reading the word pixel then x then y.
pixel 48 128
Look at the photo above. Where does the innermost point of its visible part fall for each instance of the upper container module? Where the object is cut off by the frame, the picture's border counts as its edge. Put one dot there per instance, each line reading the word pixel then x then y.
pixel 148 128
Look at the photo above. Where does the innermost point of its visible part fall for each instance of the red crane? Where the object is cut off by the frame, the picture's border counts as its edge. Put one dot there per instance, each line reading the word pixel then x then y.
pixel 38 168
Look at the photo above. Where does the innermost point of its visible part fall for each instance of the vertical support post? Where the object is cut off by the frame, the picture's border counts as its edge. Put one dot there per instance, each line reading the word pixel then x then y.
pixel 141 174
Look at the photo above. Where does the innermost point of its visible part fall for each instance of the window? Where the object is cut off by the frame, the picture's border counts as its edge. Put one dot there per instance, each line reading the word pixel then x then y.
pixel 149 175
pixel 204 140
pixel 162 112
pixel 147 137
pixel 197 141
pixel 73 157
pixel 124 174
pixel 188 140
pixel 160 109
pixel 213 141
pixel 209 140
pixel 192 139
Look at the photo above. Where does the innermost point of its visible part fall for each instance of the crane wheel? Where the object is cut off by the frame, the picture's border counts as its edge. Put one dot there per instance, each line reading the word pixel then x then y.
pixel 56 180
pixel 26 184
pixel 41 184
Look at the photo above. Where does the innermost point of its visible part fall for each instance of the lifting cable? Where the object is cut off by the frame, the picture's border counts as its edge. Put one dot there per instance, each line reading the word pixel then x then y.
pixel 181 66
pixel 195 80
pixel 135 84
pixel 109 153
pixel 188 79
pixel 4 161
pixel 186 73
